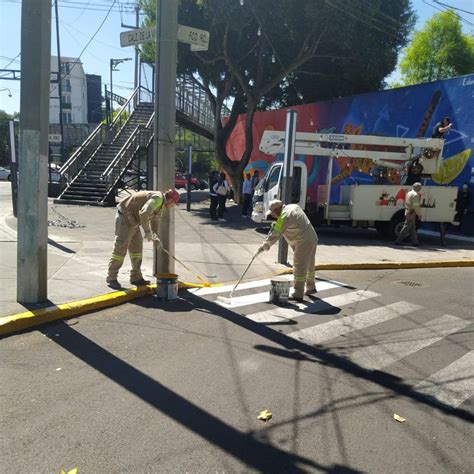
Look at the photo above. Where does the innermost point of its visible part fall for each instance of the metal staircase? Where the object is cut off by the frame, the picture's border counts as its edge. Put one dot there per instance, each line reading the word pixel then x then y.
pixel 95 170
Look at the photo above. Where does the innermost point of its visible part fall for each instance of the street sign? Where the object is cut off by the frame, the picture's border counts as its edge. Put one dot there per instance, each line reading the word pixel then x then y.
pixel 198 39
pixel 138 36
pixel 54 138
pixel 193 36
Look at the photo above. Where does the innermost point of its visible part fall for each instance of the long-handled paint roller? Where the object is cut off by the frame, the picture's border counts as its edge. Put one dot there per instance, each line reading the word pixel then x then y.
pixel 204 281
pixel 228 300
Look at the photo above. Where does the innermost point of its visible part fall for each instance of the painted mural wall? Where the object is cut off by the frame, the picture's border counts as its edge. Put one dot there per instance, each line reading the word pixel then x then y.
pixel 404 112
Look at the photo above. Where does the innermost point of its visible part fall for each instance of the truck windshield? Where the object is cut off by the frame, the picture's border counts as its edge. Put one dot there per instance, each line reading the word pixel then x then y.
pixel 273 178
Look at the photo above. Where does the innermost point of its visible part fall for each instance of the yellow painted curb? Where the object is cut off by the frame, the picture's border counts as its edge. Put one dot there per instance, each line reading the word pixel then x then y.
pixel 388 265
pixel 28 319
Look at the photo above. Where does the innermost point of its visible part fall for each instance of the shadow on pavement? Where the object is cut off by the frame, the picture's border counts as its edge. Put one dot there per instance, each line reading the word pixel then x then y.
pixel 255 453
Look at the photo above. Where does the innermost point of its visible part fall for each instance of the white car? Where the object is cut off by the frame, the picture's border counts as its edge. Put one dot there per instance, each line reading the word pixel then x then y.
pixel 4 173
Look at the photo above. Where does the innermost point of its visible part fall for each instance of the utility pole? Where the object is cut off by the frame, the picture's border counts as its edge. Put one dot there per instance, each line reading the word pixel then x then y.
pixel 60 86
pixel 164 126
pixel 287 180
pixel 32 252
pixel 137 24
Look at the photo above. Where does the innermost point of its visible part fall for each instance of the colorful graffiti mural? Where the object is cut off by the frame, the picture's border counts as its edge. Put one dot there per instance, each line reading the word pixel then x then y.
pixel 404 112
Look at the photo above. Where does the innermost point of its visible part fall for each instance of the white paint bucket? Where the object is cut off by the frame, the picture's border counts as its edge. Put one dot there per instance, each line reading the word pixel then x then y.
pixel 167 286
pixel 279 290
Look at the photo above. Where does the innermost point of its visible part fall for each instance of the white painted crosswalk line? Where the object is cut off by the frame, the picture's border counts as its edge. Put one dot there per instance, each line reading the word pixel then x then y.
pixel 214 290
pixel 263 297
pixel 404 343
pixel 453 384
pixel 339 327
pixel 277 315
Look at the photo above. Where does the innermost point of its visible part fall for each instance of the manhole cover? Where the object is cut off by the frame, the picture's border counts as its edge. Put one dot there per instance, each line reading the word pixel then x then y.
pixel 412 283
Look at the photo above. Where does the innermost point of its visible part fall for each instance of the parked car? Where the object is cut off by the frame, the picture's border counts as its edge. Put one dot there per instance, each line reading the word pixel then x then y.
pixel 181 181
pixel 4 173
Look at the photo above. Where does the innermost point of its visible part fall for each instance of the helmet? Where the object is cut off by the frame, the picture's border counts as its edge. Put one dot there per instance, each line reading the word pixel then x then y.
pixel 173 195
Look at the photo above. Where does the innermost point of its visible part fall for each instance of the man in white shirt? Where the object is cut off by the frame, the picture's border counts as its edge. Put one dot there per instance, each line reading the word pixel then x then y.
pixel 412 213
pixel 246 196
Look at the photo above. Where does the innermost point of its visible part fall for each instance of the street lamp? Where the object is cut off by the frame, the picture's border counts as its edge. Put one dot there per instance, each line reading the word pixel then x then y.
pixel 7 89
pixel 113 63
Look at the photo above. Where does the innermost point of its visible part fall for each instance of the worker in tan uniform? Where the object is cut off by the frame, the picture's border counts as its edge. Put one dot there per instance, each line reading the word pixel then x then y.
pixel 412 212
pixel 293 224
pixel 143 209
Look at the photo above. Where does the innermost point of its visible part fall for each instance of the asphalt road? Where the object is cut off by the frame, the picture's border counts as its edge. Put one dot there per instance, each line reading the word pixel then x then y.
pixel 176 387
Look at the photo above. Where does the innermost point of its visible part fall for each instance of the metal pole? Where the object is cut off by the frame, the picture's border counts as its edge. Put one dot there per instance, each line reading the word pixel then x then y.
pixel 287 179
pixel 190 170
pixel 13 167
pixel 32 253
pixel 165 123
pixel 60 85
pixel 111 90
pixel 328 188
pixel 137 24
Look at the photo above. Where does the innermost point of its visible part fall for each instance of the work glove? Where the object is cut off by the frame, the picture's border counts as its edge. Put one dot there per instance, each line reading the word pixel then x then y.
pixel 157 240
pixel 148 236
pixel 261 249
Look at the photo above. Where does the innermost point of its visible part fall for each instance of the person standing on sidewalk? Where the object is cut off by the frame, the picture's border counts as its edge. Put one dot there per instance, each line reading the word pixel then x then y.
pixel 463 201
pixel 213 196
pixel 144 209
pixel 412 213
pixel 246 195
pixel 293 224
pixel 221 188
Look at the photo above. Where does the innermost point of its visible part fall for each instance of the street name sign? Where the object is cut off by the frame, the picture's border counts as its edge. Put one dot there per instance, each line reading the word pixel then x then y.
pixel 193 36
pixel 198 39
pixel 138 36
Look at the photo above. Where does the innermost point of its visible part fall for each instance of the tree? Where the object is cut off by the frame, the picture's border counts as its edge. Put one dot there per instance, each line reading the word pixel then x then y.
pixel 439 51
pixel 260 48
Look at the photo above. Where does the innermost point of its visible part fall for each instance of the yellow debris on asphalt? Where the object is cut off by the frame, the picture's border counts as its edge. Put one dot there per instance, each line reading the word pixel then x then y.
pixel 265 415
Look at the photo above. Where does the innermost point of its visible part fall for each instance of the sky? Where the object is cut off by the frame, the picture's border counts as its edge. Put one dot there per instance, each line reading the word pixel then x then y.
pixel 80 19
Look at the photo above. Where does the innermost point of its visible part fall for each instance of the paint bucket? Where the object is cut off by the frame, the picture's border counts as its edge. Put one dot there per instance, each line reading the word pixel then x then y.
pixel 279 290
pixel 167 286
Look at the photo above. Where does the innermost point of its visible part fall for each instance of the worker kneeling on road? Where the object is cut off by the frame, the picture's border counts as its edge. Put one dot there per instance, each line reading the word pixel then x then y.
pixel 412 213
pixel 142 208
pixel 293 224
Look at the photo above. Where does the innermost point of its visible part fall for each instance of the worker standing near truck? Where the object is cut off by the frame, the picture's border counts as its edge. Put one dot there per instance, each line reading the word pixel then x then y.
pixel 143 209
pixel 293 224
pixel 412 213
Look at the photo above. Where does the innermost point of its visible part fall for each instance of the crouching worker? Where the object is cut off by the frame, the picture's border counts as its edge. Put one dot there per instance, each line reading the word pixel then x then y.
pixel 293 224
pixel 144 209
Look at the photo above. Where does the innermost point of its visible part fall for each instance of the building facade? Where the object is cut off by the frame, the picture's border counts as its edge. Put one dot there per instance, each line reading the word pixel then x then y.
pixel 74 92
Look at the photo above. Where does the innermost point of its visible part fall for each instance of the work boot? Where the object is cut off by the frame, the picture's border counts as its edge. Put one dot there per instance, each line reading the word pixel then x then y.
pixel 114 284
pixel 311 291
pixel 140 282
pixel 297 296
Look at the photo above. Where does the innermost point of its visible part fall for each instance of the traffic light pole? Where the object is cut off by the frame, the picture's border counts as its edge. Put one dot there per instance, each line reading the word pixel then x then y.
pixel 166 52
pixel 32 250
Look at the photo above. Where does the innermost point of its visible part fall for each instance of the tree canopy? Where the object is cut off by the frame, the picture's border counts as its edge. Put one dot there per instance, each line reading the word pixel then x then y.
pixel 439 51
pixel 265 54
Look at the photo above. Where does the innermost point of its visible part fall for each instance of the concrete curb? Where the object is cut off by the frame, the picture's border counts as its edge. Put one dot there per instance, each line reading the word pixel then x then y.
pixel 29 319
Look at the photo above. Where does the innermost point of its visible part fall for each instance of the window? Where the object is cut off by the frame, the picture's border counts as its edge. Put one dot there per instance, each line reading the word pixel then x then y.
pixel 67 117
pixel 273 178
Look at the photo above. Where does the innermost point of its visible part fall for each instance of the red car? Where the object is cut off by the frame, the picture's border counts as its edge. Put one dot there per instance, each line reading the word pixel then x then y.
pixel 181 181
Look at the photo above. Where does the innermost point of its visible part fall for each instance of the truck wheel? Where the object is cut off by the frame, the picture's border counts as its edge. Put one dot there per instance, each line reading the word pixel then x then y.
pixel 382 228
pixel 396 224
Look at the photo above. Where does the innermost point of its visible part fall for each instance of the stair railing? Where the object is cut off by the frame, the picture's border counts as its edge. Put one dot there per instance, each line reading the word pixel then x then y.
pixel 140 137
pixel 79 158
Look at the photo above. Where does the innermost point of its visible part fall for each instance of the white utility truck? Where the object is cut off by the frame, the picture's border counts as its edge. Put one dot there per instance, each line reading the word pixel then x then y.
pixel 327 201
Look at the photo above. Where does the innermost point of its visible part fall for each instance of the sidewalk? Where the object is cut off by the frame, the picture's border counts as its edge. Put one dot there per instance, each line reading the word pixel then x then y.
pixel 80 243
